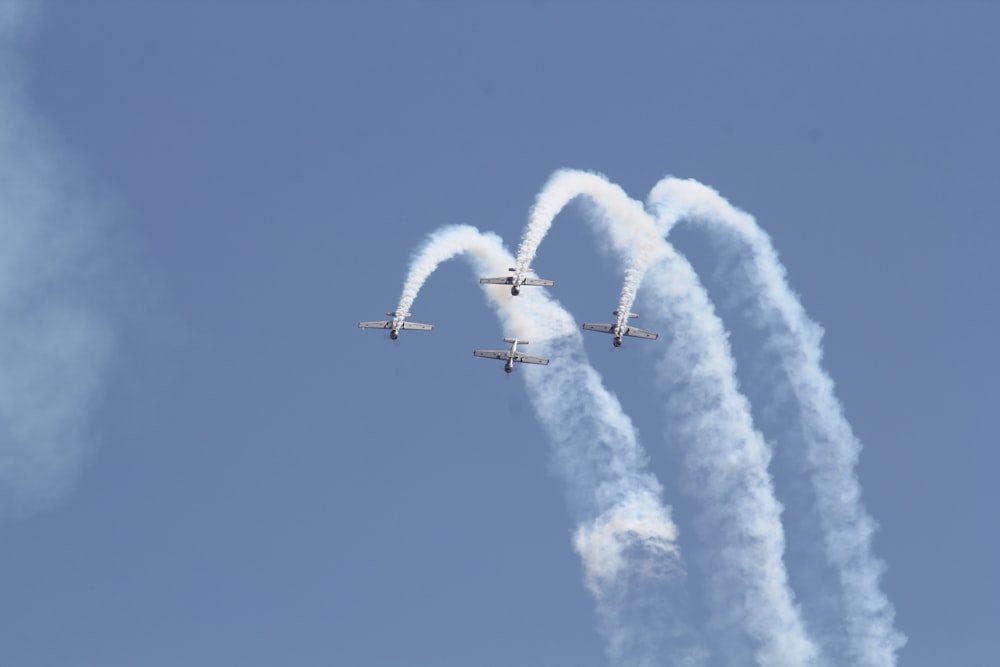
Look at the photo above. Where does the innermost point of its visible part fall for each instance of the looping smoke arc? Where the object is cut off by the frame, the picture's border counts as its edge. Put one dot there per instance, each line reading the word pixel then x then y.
pixel 725 458
pixel 724 452
pixel 830 448
pixel 624 536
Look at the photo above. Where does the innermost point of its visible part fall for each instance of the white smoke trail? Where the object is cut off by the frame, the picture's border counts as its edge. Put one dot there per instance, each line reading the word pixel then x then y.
pixel 626 221
pixel 54 344
pixel 726 458
pixel 442 245
pixel 625 537
pixel 831 448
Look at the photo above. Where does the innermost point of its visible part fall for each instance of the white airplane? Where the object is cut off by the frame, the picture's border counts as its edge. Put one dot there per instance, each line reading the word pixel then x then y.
pixel 621 329
pixel 511 355
pixel 517 280
pixel 396 323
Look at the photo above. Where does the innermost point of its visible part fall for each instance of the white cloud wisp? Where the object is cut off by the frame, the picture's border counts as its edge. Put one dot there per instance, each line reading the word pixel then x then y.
pixel 55 343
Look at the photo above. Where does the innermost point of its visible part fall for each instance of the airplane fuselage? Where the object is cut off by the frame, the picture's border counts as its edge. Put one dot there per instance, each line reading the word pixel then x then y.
pixel 516 284
pixel 509 366
pixel 619 332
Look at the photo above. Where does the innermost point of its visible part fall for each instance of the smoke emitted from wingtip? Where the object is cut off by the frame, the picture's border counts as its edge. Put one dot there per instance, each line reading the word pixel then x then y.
pixel 55 343
pixel 624 536
pixel 831 450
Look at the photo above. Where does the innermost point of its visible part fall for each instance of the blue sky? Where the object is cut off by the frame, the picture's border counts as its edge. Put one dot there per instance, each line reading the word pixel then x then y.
pixel 205 198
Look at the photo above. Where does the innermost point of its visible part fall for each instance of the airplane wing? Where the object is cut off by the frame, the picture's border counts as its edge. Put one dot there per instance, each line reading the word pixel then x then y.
pixel 603 328
pixel 506 280
pixel 492 354
pixel 538 282
pixel 416 326
pixel 527 359
pixel 375 325
pixel 641 333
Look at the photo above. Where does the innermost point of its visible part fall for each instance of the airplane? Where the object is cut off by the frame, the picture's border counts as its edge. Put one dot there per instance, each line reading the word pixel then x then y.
pixel 517 280
pixel 511 355
pixel 621 329
pixel 396 323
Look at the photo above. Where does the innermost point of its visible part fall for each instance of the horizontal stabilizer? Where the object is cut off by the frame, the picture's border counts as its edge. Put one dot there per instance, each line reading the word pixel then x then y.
pixel 392 313
pixel 515 340
pixel 630 315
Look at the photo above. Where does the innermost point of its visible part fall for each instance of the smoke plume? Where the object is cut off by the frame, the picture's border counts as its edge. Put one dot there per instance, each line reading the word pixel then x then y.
pixel 830 447
pixel 726 458
pixel 625 538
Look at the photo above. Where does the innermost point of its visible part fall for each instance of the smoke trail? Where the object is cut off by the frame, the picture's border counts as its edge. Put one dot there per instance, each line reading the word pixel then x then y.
pixel 442 245
pixel 625 537
pixel 626 221
pixel 54 345
pixel 726 458
pixel 831 448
